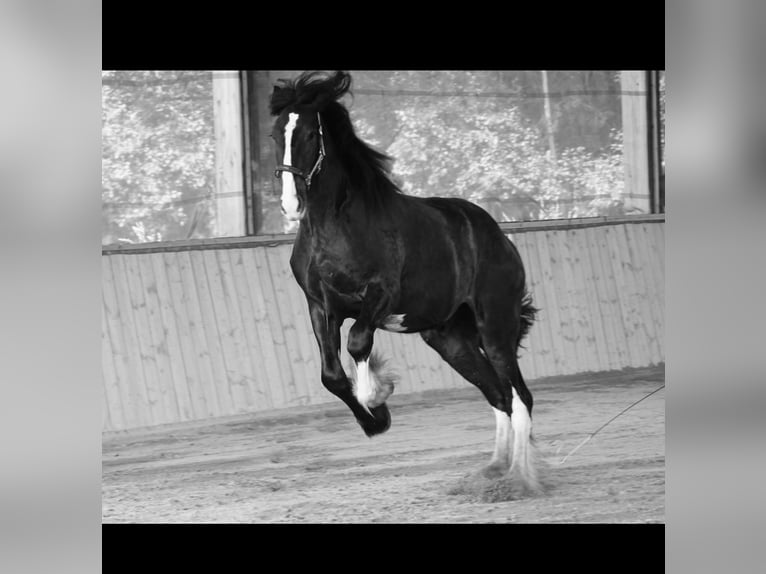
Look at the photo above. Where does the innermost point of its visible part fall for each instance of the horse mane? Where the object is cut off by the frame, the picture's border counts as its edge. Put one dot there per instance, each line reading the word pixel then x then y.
pixel 368 169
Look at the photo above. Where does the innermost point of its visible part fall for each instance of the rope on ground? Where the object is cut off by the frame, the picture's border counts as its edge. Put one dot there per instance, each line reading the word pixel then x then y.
pixel 590 436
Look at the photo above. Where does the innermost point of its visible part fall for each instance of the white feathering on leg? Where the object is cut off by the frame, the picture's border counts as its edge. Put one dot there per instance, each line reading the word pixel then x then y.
pixel 372 383
pixel 364 384
pixel 523 463
pixel 503 432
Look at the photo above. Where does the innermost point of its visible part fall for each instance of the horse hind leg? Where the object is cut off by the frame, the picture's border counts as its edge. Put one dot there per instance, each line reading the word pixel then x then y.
pixel 500 338
pixel 524 459
pixel 458 344
pixel 501 457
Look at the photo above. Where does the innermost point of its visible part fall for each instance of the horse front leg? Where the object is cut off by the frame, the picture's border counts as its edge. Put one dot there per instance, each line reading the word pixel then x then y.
pixel 327 331
pixel 371 386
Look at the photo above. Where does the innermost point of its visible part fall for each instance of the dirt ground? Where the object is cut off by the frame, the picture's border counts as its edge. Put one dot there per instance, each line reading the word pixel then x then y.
pixel 315 465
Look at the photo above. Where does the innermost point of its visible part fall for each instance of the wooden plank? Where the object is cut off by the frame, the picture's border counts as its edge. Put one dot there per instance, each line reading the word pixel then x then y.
pixel 153 301
pixel 637 240
pixel 227 333
pixel 144 348
pixel 106 421
pixel 644 318
pixel 543 346
pixel 530 362
pixel 616 258
pixel 655 284
pixel 539 346
pixel 246 366
pixel 584 266
pixel 658 247
pixel 609 312
pixel 157 340
pixel 206 365
pixel 265 341
pixel 562 280
pixel 124 388
pixel 634 239
pixel 112 413
pixel 631 295
pixel 287 377
pixel 585 342
pixel 613 263
pixel 554 320
pixel 171 337
pixel 210 327
pixel 259 386
pixel 127 359
pixel 185 327
pixel 615 305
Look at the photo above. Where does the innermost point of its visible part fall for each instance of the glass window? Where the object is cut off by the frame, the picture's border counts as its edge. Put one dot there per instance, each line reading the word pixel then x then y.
pixel 527 145
pixel 184 157
pixel 171 156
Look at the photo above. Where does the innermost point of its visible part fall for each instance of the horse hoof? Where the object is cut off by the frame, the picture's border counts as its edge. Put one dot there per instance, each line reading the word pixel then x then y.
pixel 378 423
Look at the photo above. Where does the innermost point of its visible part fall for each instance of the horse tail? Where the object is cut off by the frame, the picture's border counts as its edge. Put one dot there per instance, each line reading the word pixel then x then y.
pixel 527 317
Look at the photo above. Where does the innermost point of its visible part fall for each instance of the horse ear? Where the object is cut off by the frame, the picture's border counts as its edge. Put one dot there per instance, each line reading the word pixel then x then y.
pixel 341 82
pixel 280 97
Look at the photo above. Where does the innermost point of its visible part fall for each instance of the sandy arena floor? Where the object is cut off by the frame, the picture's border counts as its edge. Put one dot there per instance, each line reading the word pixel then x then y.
pixel 315 465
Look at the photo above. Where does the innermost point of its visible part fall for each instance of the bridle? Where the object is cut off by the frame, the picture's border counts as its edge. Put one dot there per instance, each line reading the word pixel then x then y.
pixel 317 164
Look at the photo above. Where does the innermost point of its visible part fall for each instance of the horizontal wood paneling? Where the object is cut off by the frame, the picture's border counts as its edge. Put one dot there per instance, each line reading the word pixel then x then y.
pixel 192 334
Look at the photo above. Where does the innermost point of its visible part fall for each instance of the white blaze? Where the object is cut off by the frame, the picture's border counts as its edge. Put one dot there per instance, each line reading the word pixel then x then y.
pixel 289 192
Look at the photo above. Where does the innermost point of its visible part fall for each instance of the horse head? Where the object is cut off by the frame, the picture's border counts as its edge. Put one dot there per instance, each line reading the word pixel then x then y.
pixel 299 136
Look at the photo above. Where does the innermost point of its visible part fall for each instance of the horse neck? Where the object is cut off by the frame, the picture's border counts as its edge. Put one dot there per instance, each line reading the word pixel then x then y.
pixel 329 193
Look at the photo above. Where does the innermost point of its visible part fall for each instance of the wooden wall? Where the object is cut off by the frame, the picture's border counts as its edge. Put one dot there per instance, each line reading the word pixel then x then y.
pixel 220 327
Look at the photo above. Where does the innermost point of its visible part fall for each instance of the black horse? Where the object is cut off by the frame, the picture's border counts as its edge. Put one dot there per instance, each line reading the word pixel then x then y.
pixel 440 267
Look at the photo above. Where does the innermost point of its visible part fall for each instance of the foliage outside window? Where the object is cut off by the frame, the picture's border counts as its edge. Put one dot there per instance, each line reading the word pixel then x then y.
pixel 158 156
pixel 525 145
pixel 519 150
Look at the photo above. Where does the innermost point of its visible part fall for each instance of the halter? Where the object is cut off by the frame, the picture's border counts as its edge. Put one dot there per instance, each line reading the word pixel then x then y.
pixel 317 164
